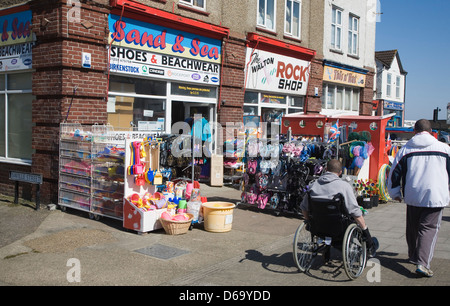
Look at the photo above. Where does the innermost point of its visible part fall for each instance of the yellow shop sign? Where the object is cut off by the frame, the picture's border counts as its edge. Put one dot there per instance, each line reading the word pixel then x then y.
pixel 342 76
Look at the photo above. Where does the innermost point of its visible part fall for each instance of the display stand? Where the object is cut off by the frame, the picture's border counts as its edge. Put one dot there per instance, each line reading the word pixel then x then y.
pixel 75 167
pixel 107 174
pixel 136 218
pixel 91 170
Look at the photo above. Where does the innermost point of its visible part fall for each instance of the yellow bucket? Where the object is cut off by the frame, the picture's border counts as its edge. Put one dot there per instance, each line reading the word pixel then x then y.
pixel 218 216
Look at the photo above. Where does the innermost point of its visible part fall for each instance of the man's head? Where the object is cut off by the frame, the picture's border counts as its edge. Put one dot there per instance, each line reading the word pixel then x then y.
pixel 422 125
pixel 334 166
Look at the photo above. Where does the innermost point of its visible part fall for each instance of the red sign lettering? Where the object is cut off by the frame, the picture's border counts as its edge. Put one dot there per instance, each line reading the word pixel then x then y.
pixel 135 37
pixel 19 30
pixel 288 71
pixel 5 35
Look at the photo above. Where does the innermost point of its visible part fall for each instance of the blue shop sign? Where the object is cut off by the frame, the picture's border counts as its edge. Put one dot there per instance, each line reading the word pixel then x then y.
pixel 394 105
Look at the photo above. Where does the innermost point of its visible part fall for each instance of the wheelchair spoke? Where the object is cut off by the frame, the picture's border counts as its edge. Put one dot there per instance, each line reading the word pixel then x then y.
pixel 305 248
pixel 354 252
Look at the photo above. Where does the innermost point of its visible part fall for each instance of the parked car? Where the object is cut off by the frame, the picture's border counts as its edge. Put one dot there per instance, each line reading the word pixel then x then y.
pixel 444 136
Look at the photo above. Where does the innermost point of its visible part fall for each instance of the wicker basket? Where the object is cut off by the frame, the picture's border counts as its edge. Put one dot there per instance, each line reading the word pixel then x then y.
pixel 176 227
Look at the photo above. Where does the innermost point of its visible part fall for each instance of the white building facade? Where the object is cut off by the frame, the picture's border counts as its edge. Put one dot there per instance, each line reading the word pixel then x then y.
pixel 390 86
pixel 348 52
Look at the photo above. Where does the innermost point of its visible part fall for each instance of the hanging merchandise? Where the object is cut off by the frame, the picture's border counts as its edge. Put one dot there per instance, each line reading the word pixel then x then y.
pixel 143 203
pixel 159 202
pixel 278 176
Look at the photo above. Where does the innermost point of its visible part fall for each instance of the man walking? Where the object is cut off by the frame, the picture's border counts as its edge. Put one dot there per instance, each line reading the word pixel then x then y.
pixel 420 172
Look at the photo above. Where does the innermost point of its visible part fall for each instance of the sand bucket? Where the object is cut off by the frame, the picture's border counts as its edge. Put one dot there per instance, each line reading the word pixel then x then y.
pixel 218 216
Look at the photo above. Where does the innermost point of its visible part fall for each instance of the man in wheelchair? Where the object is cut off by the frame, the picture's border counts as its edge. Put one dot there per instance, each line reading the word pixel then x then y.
pixel 327 189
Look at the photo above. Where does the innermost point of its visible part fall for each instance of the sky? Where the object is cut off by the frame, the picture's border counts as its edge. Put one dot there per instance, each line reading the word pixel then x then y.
pixel 420 31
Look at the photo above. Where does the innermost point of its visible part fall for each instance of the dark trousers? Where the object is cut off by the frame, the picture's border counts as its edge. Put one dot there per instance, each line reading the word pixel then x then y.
pixel 422 227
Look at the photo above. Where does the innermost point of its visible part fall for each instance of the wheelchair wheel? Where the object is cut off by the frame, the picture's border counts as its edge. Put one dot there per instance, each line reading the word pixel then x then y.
pixel 354 251
pixel 304 247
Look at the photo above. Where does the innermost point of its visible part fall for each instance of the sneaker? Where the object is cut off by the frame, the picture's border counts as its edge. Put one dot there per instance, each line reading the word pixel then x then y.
pixel 421 270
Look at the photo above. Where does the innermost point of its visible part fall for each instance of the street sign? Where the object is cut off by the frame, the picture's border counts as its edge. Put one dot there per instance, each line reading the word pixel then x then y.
pixel 26 177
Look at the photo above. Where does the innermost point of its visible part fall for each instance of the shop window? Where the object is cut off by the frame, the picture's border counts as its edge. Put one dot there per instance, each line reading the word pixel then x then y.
pixel 336 28
pixel 145 114
pixel 292 18
pixel 355 99
pixel 273 98
pixel 272 115
pixel 296 105
pixel 16 119
pixel 19 81
pixel 251 97
pixel 2 126
pixel 260 104
pixel 250 110
pixel 266 14
pixel 297 102
pixel 348 100
pixel 340 98
pixel 137 102
pixel 328 103
pixel 353 30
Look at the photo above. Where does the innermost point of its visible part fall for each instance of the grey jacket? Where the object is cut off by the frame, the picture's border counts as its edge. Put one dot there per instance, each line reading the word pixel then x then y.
pixel 327 186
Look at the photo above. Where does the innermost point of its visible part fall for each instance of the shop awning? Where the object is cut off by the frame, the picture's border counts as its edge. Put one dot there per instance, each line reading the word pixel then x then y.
pixel 278 46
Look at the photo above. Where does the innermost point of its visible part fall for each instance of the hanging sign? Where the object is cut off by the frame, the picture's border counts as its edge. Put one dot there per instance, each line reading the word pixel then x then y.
pixel 141 48
pixel 277 73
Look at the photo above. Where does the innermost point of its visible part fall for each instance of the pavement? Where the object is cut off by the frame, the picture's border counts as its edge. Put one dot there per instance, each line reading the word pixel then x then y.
pixel 54 248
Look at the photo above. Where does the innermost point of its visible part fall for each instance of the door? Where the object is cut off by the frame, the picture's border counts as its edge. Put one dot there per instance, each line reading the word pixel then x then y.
pixel 184 112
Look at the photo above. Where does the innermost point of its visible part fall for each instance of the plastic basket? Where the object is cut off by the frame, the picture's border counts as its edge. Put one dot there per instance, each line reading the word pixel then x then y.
pixel 176 227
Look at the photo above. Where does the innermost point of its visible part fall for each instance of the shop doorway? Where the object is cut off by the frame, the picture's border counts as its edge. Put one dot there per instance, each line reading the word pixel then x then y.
pixel 185 111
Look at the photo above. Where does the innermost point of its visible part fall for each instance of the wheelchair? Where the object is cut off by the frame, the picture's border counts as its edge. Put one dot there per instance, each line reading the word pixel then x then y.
pixel 330 225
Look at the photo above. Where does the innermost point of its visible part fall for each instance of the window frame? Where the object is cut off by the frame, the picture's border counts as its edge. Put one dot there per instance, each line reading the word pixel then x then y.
pixel 353 49
pixel 334 28
pixel 5 92
pixel 264 24
pixel 333 90
pixel 193 5
pixel 288 107
pixel 291 30
pixel 388 84
pixel 398 81
pixel 169 97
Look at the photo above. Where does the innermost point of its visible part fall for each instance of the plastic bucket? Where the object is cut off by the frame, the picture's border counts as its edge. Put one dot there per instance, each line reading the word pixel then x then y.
pixel 218 216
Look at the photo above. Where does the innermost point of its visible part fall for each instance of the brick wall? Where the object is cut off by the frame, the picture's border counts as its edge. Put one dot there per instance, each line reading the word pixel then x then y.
pixel 58 71
pixel 314 103
pixel 366 96
pixel 231 97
